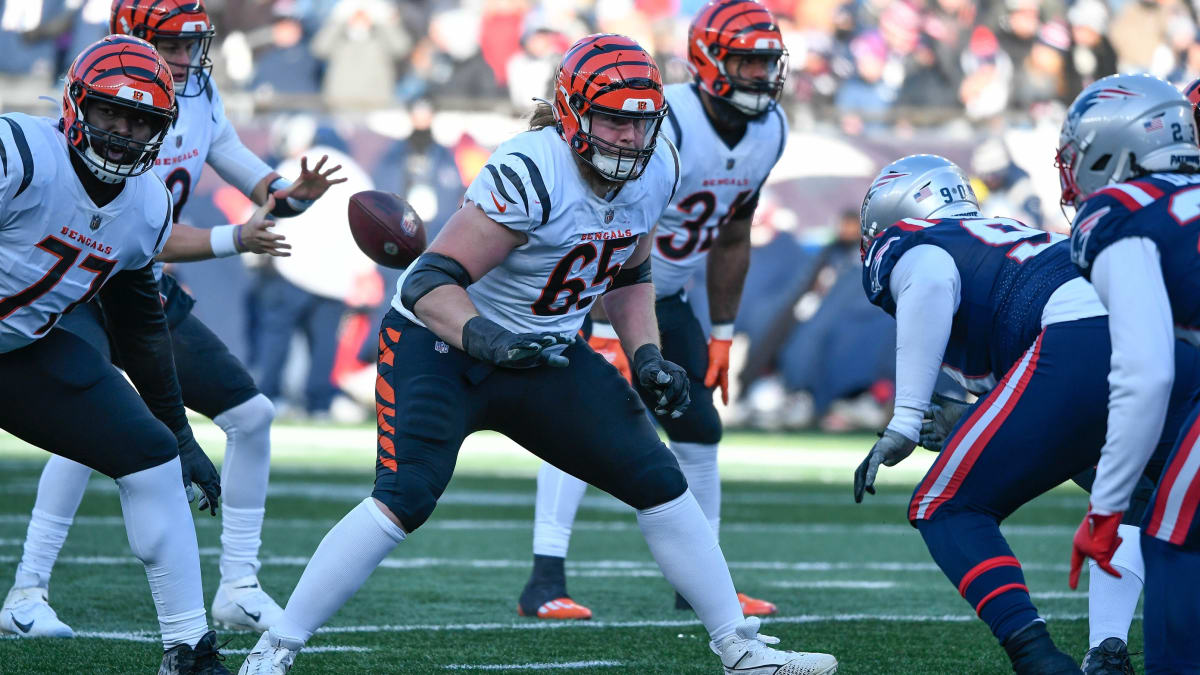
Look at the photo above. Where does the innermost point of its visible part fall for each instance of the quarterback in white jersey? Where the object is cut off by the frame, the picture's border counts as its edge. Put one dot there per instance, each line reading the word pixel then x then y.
pixel 729 137
pixel 80 218
pixel 212 380
pixel 486 340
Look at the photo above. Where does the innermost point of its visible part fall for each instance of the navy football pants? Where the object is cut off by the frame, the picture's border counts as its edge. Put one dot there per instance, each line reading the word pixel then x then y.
pixel 584 419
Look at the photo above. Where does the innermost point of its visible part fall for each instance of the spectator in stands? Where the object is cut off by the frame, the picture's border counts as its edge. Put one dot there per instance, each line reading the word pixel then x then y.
pixel 289 66
pixel 1041 77
pixel 307 292
pixel 868 95
pixel 1189 65
pixel 1003 188
pixel 1139 32
pixel 1092 56
pixel 988 73
pixel 529 72
pixel 1017 28
pixel 361 43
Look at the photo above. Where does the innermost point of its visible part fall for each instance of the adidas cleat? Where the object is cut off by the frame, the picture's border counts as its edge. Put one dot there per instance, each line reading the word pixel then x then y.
pixel 746 653
pixel 203 659
pixel 27 613
pixel 1110 657
pixel 271 655
pixel 561 609
pixel 242 604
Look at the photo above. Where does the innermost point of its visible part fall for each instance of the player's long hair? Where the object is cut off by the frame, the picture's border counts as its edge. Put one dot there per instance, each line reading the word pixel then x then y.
pixel 542 117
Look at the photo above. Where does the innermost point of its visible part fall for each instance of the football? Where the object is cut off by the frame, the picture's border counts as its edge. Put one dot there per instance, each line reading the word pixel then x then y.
pixel 386 228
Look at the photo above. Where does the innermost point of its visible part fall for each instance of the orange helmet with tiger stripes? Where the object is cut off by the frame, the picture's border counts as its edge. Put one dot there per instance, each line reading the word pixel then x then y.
pixel 746 31
pixel 156 21
pixel 128 78
pixel 608 81
pixel 1192 91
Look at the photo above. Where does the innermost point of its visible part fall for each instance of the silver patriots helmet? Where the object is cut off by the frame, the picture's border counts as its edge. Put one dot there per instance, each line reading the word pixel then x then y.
pixel 1120 127
pixel 916 186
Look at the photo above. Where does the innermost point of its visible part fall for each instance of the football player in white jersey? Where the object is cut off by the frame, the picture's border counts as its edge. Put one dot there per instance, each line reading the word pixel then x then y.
pixel 482 335
pixel 81 217
pixel 729 133
pixel 213 381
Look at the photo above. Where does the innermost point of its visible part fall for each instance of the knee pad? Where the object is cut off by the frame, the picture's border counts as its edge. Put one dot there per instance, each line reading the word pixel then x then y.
pixel 255 414
pixel 653 484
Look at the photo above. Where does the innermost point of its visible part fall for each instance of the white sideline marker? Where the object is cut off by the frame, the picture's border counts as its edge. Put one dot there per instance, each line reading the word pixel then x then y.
pixel 569 665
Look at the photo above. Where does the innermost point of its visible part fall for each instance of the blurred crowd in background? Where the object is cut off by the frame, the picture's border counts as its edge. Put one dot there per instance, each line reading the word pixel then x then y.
pixel 410 95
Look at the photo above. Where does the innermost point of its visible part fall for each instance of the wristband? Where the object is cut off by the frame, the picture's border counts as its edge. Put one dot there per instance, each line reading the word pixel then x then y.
pixel 722 331
pixel 291 206
pixel 604 329
pixel 223 240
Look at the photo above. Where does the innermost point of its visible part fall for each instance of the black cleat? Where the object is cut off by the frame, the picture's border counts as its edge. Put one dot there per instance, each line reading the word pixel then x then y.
pixel 545 594
pixel 1110 657
pixel 1032 652
pixel 204 659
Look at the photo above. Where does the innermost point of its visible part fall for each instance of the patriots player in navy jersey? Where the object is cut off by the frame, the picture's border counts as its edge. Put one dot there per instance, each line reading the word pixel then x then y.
pixel 1129 163
pixel 212 380
pixel 999 307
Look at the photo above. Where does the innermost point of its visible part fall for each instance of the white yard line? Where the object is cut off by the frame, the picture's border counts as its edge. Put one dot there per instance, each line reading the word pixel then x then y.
pixel 569 665
pixel 319 649
pixel 864 585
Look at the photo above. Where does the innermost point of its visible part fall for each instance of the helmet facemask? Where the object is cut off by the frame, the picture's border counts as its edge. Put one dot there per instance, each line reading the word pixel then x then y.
pixel 746 92
pixel 190 77
pixel 637 119
pixel 110 156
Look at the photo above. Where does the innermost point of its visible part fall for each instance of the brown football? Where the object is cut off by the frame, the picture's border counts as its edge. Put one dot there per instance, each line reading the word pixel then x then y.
pixel 386 228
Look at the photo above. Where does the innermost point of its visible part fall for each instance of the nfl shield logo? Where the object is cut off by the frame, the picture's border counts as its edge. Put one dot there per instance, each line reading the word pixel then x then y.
pixel 95 224
pixel 179 141
pixel 729 164
pixel 441 347
pixel 608 216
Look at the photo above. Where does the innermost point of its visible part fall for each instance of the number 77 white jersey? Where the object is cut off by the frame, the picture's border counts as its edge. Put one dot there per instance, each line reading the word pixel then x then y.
pixel 716 182
pixel 57 248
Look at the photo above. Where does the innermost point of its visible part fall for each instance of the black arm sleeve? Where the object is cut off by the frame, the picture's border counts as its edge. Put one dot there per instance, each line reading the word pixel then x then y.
pixel 138 326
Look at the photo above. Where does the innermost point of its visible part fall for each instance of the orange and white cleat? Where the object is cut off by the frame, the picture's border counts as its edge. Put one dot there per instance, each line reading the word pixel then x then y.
pixel 560 609
pixel 755 607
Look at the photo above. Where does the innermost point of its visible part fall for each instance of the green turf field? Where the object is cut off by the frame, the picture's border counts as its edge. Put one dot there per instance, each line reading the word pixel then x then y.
pixel 852 580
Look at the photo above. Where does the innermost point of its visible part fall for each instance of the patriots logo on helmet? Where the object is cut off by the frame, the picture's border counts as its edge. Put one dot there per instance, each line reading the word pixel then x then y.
pixel 1086 103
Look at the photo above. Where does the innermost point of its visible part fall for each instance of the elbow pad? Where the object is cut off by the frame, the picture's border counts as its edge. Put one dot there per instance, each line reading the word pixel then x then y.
pixel 429 271
pixel 631 276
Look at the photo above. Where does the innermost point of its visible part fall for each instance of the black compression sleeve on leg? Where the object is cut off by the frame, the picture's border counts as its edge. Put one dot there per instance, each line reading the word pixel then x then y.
pixel 428 272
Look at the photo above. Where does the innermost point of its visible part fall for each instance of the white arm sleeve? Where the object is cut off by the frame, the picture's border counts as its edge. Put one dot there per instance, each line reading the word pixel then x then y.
pixel 925 284
pixel 231 159
pixel 1128 278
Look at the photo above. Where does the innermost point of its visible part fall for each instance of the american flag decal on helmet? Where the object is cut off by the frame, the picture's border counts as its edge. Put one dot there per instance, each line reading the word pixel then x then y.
pixel 1154 124
pixel 923 194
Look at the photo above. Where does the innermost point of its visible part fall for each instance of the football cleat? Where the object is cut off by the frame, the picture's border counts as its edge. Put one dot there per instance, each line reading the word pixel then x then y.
pixel 27 613
pixel 243 604
pixel 272 655
pixel 562 609
pixel 746 653
pixel 1032 652
pixel 203 659
pixel 750 606
pixel 1110 657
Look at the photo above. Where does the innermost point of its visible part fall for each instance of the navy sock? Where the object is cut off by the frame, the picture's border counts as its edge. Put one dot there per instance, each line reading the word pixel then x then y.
pixel 969 548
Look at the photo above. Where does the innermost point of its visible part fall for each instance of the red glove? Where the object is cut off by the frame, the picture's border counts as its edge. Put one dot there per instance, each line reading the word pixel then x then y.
pixel 718 359
pixel 1096 538
pixel 610 349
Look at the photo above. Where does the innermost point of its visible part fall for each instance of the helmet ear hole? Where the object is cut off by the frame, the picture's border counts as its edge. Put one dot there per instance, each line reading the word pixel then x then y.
pixel 139 32
pixel 1100 163
pixel 577 103
pixel 76 90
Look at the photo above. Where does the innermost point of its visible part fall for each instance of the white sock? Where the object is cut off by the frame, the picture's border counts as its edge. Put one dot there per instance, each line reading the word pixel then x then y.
pixel 348 554
pixel 247 428
pixel 558 497
pixel 698 461
pixel 690 558
pixel 60 490
pixel 163 536
pixel 1112 601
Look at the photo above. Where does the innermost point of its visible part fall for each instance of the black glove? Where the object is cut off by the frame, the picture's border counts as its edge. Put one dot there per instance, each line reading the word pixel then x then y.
pixel 198 469
pixel 943 414
pixel 889 450
pixel 665 381
pixel 488 341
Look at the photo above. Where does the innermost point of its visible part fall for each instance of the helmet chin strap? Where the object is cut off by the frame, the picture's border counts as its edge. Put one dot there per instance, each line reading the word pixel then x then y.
pixel 96 164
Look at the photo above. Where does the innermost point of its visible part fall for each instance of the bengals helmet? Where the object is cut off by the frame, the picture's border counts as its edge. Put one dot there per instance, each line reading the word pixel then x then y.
pixel 156 21
pixel 609 79
pixel 130 80
pixel 742 29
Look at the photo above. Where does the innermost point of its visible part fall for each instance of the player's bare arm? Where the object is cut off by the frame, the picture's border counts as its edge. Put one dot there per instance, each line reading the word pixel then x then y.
pixel 476 242
pixel 728 262
pixel 630 309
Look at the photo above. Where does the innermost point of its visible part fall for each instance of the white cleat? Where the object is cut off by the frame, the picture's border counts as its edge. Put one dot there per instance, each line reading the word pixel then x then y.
pixel 271 656
pixel 242 604
pixel 27 613
pixel 746 653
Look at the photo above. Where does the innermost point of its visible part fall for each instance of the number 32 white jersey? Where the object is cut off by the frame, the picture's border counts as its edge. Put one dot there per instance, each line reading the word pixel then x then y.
pixel 717 180
pixel 57 247
pixel 577 240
